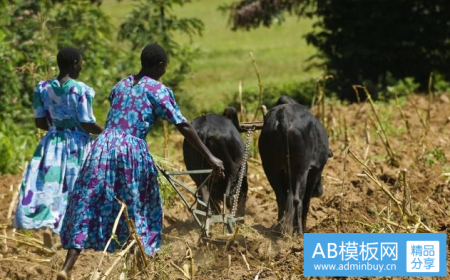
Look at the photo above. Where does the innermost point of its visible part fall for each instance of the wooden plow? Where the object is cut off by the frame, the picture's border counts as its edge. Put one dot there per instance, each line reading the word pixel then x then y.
pixel 202 210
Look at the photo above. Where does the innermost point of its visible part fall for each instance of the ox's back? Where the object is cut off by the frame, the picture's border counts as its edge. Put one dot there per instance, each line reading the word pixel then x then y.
pixel 305 135
pixel 220 135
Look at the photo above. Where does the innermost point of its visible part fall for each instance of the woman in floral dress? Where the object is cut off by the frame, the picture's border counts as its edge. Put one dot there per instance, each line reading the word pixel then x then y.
pixel 120 165
pixel 63 106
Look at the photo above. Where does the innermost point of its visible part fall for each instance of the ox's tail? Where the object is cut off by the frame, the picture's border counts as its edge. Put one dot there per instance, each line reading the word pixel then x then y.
pixel 287 223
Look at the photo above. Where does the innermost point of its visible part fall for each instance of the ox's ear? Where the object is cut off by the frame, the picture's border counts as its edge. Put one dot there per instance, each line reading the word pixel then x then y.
pixel 285 100
pixel 231 114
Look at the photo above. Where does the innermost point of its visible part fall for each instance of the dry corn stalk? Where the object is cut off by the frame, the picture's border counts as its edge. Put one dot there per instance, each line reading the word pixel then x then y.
pixel 96 273
pixel 419 115
pixel 28 243
pixel 190 257
pixel 320 92
pixel 143 257
pixel 404 212
pixel 230 241
pixel 185 273
pixel 391 154
pixel 260 86
pixel 430 98
pixel 344 171
pixel 241 104
pixel 116 261
pixel 133 241
pixel 246 262
pixel 403 116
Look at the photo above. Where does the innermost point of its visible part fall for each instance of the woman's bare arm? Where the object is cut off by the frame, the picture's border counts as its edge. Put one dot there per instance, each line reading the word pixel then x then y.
pixel 191 136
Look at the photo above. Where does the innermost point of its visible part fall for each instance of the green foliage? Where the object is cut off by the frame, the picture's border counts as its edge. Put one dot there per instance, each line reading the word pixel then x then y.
pixel 434 156
pixel 362 40
pixel 30 34
pixel 166 190
pixel 15 146
pixel 441 85
pixel 403 87
pixel 84 25
pixel 154 21
pixel 25 47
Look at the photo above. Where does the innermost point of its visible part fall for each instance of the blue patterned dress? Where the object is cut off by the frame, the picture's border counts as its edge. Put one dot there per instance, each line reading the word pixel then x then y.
pixel 120 165
pixel 52 171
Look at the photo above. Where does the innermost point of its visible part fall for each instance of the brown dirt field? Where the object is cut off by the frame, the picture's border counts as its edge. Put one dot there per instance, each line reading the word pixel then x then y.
pixel 351 203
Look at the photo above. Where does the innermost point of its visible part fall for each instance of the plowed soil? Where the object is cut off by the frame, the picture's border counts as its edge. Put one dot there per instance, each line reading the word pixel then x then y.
pixel 351 202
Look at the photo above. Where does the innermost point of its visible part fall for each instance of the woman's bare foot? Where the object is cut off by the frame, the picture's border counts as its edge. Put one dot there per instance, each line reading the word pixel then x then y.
pixel 71 258
pixel 48 238
pixel 62 275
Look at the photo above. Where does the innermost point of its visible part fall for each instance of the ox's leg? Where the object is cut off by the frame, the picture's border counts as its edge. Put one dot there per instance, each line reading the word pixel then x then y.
pixel 279 187
pixel 314 183
pixel 299 189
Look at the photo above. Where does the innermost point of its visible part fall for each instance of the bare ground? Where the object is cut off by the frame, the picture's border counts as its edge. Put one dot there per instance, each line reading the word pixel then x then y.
pixel 351 203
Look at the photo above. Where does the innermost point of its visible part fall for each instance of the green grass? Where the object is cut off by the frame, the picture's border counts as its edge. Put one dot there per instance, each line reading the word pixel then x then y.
pixel 280 51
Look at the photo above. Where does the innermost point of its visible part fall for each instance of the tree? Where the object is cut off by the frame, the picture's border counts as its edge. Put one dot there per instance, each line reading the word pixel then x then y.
pixel 83 24
pixel 372 40
pixel 248 14
pixel 369 41
pixel 31 32
pixel 154 21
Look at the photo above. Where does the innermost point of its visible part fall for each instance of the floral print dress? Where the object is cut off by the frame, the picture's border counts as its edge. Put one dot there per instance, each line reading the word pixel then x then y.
pixel 53 169
pixel 120 165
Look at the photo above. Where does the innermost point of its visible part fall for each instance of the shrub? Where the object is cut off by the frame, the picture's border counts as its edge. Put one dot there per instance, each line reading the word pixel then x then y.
pixel 403 87
pixel 16 146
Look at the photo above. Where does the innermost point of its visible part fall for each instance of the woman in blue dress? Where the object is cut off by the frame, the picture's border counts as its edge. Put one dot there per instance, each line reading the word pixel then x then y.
pixel 63 107
pixel 120 165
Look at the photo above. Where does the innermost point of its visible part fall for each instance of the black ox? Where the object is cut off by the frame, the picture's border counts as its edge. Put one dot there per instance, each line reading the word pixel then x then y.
pixel 220 133
pixel 294 150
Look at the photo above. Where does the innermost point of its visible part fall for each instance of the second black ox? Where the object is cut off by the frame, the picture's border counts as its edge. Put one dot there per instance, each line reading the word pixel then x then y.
pixel 294 149
pixel 220 133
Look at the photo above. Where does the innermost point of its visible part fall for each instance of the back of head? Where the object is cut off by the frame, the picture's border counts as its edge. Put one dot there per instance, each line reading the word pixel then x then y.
pixel 67 57
pixel 153 55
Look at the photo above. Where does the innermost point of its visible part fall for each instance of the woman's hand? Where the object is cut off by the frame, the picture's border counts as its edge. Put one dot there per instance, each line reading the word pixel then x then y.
pixel 217 166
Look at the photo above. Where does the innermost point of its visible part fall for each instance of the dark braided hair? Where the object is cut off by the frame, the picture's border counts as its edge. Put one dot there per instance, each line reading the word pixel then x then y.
pixel 67 57
pixel 153 55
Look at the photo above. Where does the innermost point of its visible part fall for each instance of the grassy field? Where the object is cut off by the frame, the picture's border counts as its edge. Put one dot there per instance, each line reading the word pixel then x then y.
pixel 281 52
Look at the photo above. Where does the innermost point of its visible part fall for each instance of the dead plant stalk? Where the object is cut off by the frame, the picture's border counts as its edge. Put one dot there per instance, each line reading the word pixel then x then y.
pixel 260 86
pixel 403 116
pixel 96 273
pixel 320 92
pixel 391 154
pixel 344 171
pixel 430 99
pixel 398 203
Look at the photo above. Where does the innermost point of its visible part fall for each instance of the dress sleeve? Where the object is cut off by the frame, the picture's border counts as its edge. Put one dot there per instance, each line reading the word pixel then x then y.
pixel 167 108
pixel 85 113
pixel 38 105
